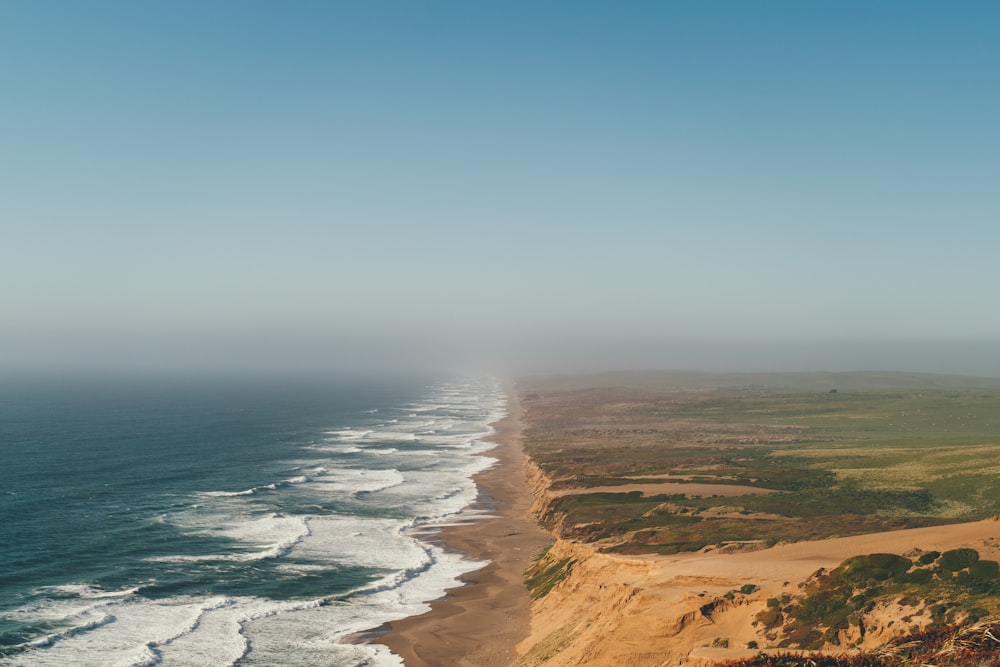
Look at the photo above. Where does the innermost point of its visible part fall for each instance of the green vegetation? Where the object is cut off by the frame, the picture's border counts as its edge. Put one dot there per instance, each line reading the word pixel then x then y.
pixel 545 572
pixel 885 451
pixel 953 586
pixel 958 559
pixel 966 645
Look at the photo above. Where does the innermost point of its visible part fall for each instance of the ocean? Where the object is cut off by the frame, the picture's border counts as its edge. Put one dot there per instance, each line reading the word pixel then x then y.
pixel 228 523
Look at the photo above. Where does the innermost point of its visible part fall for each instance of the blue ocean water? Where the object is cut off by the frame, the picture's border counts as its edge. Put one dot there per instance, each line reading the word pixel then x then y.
pixel 220 523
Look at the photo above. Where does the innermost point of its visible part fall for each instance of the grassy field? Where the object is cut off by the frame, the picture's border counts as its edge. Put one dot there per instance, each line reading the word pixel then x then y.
pixel 843 454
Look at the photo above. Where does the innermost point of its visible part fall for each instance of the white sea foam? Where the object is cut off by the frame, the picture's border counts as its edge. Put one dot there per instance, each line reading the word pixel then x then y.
pixel 277 534
pixel 421 573
pixel 127 633
pixel 337 447
pixel 348 434
pixel 381 451
pixel 348 482
pixel 86 591
pixel 299 479
pixel 428 499
pixel 269 537
pixel 227 494
pixel 432 484
pixel 74 608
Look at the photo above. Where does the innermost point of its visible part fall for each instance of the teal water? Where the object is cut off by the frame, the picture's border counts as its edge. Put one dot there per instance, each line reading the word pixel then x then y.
pixel 153 522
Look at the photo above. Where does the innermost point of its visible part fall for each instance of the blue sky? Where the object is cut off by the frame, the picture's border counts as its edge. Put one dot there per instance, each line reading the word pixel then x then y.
pixel 669 183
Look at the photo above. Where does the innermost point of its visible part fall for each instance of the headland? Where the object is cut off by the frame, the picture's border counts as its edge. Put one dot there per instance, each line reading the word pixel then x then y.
pixel 704 519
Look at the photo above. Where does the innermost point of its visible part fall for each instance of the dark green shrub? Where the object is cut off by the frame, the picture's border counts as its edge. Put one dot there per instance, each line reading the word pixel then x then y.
pixel 747 589
pixel 859 601
pixel 873 567
pixel 958 559
pixel 928 558
pixel 918 577
pixel 985 570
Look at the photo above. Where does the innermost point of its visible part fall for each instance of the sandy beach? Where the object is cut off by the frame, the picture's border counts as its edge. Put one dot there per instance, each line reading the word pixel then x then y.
pixel 479 624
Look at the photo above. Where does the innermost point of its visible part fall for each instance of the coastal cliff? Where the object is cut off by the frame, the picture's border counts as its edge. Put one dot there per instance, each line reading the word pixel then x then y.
pixel 594 608
pixel 700 519
pixel 610 611
pixel 539 485
pixel 603 609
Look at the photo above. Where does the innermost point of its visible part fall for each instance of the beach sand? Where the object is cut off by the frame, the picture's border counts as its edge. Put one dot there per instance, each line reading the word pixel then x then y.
pixel 480 623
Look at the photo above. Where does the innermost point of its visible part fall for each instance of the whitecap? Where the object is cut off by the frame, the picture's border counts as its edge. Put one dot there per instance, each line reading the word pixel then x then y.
pixel 221 631
pixel 227 494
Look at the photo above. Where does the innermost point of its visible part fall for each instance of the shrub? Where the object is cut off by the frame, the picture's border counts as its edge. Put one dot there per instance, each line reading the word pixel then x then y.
pixel 969 645
pixel 928 558
pixel 958 559
pixel 874 567
pixel 802 636
pixel 770 618
pixel 919 577
pixel 985 570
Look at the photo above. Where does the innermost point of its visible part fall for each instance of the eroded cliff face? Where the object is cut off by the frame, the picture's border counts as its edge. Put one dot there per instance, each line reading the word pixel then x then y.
pixel 610 610
pixel 600 609
pixel 538 484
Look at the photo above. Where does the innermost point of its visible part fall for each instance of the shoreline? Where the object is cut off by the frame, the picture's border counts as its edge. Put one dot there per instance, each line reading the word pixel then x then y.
pixel 480 622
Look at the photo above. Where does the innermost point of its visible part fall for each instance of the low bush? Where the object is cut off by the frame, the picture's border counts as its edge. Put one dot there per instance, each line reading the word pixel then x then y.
pixel 958 559
pixel 928 557
pixel 873 567
pixel 985 570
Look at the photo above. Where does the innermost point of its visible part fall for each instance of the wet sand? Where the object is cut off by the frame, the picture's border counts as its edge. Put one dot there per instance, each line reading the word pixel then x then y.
pixel 480 623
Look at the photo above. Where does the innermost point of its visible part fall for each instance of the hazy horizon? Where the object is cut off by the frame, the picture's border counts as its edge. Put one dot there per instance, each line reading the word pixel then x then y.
pixel 520 187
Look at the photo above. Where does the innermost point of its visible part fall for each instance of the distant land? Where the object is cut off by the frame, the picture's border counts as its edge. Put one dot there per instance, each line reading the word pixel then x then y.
pixel 705 519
